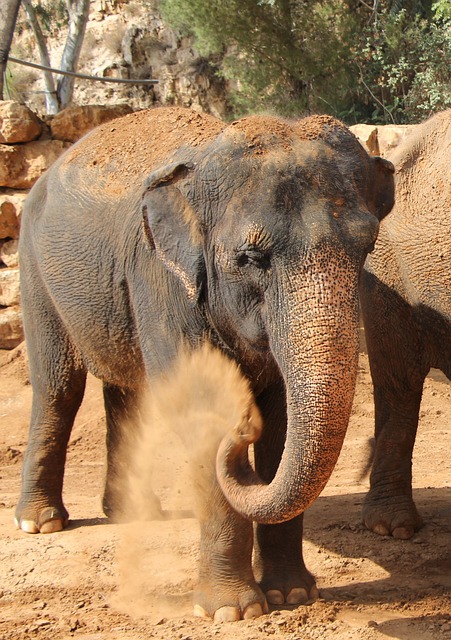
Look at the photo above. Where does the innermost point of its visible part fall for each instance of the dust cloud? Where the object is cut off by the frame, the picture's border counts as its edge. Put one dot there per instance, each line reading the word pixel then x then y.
pixel 171 467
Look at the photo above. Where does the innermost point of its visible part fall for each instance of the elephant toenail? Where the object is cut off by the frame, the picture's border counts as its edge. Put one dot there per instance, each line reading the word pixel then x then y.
pixel 227 614
pixel 403 533
pixel 297 596
pixel 29 526
pixel 52 526
pixel 199 612
pixel 274 596
pixel 381 530
pixel 253 611
pixel 314 593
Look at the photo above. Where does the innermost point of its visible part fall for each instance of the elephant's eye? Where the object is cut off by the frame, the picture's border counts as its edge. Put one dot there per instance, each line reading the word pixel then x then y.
pixel 254 256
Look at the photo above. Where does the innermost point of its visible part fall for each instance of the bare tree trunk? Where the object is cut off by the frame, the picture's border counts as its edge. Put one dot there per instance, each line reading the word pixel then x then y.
pixel 51 100
pixel 78 17
pixel 8 16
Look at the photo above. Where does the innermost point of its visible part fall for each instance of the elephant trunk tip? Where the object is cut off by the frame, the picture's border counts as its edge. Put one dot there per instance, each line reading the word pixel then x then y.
pixel 250 427
pixel 232 459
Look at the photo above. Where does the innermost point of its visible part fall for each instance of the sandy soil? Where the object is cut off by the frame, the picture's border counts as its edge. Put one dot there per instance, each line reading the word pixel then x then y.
pixel 107 581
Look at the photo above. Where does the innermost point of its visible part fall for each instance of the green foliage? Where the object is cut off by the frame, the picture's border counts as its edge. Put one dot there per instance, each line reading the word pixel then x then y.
pixel 383 62
pixel 442 9
pixel 404 68
pixel 19 78
pixel 52 15
pixel 412 7
pixel 274 53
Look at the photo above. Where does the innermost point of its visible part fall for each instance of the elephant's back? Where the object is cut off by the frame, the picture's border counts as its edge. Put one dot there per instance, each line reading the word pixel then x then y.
pixel 414 239
pixel 116 156
pixel 423 174
pixel 420 224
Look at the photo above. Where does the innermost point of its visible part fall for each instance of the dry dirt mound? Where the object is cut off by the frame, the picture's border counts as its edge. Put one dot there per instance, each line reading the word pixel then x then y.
pixel 106 581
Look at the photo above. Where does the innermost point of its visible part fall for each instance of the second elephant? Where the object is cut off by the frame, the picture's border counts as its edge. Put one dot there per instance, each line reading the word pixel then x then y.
pixel 406 301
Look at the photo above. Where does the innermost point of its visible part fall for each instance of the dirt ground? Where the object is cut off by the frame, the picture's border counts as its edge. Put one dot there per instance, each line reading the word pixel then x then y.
pixel 105 581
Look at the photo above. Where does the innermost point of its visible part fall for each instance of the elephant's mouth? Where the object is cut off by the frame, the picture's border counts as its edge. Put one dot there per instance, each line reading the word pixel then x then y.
pixel 251 338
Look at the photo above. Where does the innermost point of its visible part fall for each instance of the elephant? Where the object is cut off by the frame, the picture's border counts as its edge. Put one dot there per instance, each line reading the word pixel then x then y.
pixel 406 306
pixel 166 227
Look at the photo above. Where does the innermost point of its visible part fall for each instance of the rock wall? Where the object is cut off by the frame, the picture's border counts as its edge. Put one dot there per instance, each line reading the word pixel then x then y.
pixel 28 147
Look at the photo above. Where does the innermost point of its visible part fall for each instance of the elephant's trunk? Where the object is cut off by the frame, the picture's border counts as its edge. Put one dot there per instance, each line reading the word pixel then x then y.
pixel 315 340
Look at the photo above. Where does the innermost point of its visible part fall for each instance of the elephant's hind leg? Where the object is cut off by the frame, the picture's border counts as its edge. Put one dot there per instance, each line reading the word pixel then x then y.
pixel 389 508
pixel 58 380
pixel 123 445
pixel 398 367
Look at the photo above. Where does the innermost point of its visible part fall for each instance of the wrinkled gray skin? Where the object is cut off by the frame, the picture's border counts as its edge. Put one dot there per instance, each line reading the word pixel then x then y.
pixel 406 301
pixel 251 236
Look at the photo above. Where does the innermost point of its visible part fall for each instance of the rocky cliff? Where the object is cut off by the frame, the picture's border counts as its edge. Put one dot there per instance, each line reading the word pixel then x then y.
pixel 125 39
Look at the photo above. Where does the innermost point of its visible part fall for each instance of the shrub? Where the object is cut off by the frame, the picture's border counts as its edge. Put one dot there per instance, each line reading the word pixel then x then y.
pixel 404 68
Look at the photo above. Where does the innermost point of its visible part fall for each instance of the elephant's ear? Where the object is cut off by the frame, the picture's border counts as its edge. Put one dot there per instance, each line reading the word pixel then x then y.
pixel 171 226
pixel 382 189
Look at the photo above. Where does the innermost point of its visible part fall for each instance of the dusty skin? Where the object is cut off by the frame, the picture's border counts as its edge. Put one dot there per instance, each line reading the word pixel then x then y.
pixel 102 581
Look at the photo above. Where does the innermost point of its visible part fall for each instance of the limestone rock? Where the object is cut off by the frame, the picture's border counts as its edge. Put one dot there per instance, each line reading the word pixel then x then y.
pixel 381 139
pixel 74 122
pixel 10 214
pixel 11 329
pixel 17 360
pixel 367 135
pixel 391 135
pixel 22 165
pixel 9 287
pixel 17 123
pixel 9 253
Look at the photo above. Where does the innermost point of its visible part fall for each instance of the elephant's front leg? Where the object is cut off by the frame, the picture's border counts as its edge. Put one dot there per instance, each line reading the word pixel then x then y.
pixel 280 566
pixel 226 589
pixel 279 563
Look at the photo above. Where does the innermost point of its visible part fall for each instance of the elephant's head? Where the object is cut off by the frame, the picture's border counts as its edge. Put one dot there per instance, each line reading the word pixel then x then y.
pixel 268 228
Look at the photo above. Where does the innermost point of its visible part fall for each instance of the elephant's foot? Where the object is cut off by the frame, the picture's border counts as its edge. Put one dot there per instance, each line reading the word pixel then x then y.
pixel 229 604
pixel 41 519
pixel 289 587
pixel 397 517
